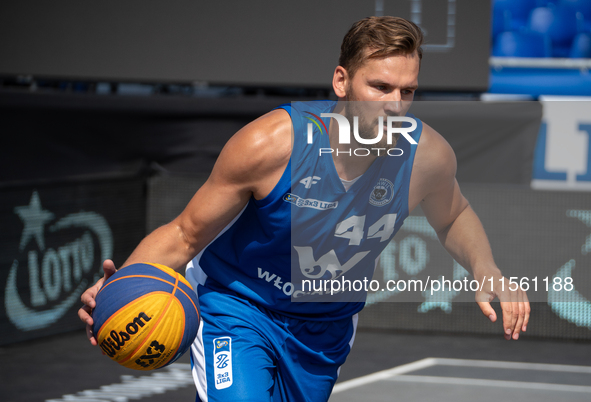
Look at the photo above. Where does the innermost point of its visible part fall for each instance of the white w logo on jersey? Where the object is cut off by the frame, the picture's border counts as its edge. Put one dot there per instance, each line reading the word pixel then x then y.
pixel 328 262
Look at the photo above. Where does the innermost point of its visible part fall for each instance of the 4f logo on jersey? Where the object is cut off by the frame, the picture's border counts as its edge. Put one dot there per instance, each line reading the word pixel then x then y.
pixel 308 181
pixel 222 362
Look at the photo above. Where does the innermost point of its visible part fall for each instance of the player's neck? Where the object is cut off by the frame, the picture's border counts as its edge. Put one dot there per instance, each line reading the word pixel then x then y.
pixel 347 164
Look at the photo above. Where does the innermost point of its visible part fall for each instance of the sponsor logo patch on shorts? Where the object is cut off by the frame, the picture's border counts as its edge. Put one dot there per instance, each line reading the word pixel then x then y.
pixel 222 362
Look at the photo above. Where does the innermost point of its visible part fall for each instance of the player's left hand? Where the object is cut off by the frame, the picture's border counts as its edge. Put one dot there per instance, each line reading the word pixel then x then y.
pixel 514 304
pixel 89 302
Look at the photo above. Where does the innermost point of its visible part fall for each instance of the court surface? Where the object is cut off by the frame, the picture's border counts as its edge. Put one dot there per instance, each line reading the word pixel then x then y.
pixel 435 379
pixel 383 366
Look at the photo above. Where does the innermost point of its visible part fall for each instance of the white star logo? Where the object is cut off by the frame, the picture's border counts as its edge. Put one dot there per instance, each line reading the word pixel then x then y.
pixel 34 219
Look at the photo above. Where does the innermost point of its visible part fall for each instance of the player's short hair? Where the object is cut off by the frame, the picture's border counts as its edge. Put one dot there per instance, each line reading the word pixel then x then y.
pixel 376 37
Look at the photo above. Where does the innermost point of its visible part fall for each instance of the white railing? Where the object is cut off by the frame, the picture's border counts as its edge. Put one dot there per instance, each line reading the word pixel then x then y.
pixel 527 62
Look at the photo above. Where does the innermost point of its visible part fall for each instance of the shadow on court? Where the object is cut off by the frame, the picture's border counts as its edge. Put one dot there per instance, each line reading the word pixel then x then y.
pixel 409 366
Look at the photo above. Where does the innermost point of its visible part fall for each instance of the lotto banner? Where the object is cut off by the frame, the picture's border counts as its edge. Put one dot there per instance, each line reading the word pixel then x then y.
pixel 54 239
pixel 541 242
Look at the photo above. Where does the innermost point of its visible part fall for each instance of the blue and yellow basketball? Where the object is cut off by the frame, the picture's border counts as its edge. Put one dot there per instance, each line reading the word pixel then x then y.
pixel 146 316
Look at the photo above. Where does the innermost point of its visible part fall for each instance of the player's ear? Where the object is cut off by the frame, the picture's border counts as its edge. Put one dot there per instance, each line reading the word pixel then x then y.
pixel 340 81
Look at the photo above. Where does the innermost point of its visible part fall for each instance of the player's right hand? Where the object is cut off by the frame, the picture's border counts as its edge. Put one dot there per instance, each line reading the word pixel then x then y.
pixel 514 304
pixel 88 299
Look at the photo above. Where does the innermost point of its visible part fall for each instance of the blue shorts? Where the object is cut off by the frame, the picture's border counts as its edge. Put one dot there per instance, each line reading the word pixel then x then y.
pixel 244 352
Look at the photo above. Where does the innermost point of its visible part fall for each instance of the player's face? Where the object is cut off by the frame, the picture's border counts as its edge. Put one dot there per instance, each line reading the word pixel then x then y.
pixel 381 87
pixel 392 79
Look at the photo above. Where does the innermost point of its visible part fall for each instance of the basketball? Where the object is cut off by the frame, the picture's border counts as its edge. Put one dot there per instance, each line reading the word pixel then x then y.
pixel 146 316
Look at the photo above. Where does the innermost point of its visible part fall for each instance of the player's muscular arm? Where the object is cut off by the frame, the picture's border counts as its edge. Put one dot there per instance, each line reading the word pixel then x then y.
pixel 446 209
pixel 250 164
pixel 434 185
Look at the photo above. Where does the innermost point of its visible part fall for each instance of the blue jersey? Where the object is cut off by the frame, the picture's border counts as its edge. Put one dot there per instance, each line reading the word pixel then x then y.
pixel 309 228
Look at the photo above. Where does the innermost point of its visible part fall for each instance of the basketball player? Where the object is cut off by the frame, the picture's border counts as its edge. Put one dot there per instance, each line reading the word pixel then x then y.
pixel 275 201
